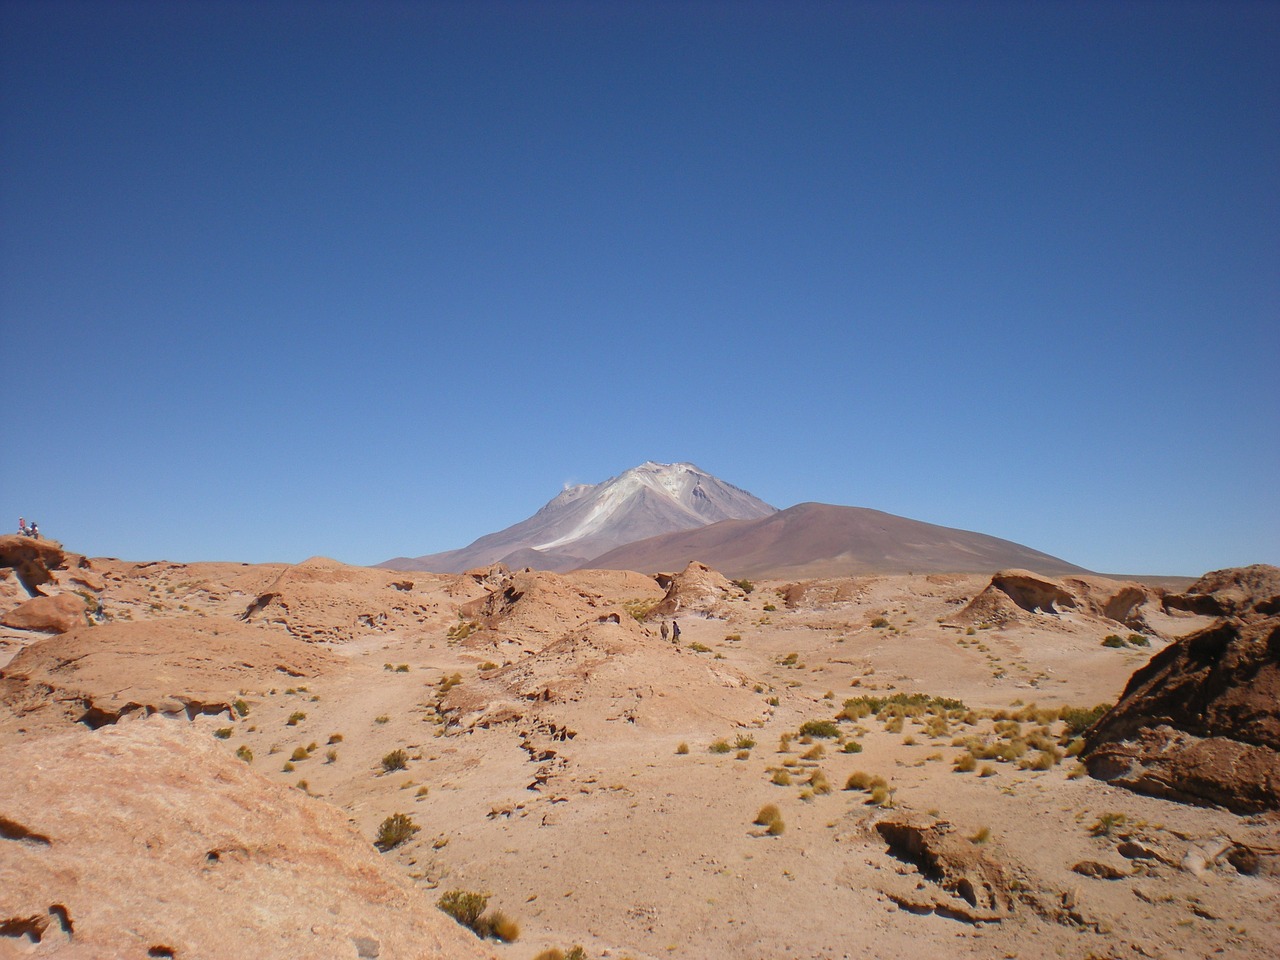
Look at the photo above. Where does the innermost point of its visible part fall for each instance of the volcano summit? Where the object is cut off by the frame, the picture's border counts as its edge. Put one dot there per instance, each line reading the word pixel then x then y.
pixel 587 520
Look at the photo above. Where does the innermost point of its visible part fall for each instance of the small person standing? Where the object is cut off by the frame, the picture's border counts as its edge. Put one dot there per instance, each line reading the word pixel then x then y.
pixel 35 529
pixel 22 526
pixel 663 630
pixel 675 631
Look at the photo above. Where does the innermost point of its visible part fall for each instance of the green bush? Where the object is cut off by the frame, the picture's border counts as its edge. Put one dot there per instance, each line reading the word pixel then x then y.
pixel 745 585
pixel 827 729
pixel 1138 640
pixel 1111 640
pixel 395 830
pixel 1080 719
pixel 464 906
pixel 720 746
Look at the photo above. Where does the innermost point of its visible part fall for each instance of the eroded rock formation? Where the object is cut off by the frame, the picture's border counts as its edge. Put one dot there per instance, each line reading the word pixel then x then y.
pixel 141 840
pixel 1201 721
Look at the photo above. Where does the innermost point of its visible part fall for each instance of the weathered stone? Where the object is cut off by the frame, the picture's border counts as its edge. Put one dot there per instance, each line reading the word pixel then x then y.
pixel 147 839
pixel 1200 722
pixel 56 614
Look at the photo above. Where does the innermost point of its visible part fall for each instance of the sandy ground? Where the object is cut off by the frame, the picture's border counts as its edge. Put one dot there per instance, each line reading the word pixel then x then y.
pixel 634 839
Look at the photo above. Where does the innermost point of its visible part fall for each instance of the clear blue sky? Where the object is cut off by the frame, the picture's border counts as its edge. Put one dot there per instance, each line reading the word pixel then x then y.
pixel 372 279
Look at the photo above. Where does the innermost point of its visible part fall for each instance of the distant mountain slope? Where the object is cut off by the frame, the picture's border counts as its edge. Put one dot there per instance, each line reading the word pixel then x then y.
pixel 589 519
pixel 821 540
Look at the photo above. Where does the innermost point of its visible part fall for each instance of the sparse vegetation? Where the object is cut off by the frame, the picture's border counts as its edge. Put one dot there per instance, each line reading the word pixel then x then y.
pixel 683 748
pixel 720 746
pixel 395 760
pixel 462 630
pixel 697 647
pixel 467 908
pixel 575 953
pixel 223 733
pixel 296 718
pixel 1138 640
pixel 745 585
pixel 395 830
pixel 240 707
pixel 1080 719
pixel 244 753
pixel 1106 823
pixel 299 753
pixel 1111 640
pixel 879 623
pixel 982 836
pixel 827 729
pixel 449 682
pixel 744 742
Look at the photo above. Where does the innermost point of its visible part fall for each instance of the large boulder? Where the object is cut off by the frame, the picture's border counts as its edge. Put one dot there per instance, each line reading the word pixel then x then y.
pixel 147 840
pixel 1200 722
pixel 697 589
pixel 56 614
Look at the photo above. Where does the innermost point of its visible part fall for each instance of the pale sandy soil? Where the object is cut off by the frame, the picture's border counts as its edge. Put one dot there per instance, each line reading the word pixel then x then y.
pixel 619 842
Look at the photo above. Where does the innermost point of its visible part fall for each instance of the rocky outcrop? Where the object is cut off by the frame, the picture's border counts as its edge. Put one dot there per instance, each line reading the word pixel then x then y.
pixel 144 840
pixel 697 589
pixel 56 614
pixel 34 560
pixel 1233 592
pixel 1200 722
pixel 322 600
pixel 181 668
pixel 607 671
pixel 1013 594
pixel 962 882
pixel 823 594
pixel 534 607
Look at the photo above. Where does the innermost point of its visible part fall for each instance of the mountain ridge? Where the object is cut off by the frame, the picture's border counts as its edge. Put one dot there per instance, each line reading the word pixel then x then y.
pixel 825 540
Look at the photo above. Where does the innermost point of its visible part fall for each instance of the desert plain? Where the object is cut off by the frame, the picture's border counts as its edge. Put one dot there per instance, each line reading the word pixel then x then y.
pixel 198 759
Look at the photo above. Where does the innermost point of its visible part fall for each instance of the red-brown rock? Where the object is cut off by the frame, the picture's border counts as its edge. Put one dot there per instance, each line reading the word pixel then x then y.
pixel 1200 722
pixel 56 614
pixel 147 839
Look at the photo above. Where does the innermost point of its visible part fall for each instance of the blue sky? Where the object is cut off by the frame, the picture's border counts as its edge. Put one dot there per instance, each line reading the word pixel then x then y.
pixel 374 279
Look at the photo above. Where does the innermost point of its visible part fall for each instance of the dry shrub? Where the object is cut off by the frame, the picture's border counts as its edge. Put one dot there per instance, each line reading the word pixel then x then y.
pixel 768 813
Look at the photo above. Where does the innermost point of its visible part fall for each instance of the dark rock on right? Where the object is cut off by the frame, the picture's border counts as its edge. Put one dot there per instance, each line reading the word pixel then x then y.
pixel 1200 723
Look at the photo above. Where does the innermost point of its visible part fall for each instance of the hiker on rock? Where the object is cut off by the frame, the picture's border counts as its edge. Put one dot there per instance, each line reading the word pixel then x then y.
pixel 22 529
pixel 35 529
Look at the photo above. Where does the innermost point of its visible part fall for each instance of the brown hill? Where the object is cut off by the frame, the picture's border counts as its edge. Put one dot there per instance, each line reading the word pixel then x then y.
pixel 822 540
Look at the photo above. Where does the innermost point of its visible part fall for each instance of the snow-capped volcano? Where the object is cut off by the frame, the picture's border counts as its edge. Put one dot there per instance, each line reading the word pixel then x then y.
pixel 587 520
